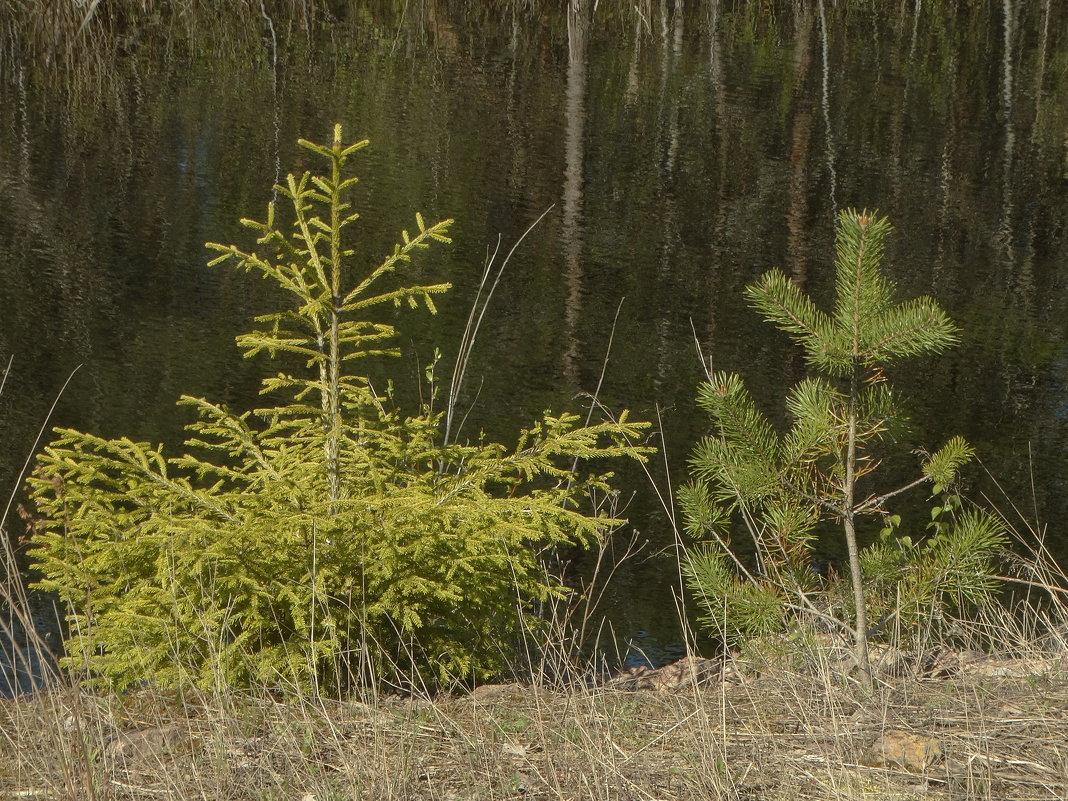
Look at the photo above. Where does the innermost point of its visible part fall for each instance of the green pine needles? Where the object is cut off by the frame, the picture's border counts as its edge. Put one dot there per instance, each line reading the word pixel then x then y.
pixel 327 541
pixel 782 486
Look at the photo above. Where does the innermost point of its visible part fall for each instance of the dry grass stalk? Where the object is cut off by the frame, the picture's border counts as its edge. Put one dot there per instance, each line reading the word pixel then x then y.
pixel 783 729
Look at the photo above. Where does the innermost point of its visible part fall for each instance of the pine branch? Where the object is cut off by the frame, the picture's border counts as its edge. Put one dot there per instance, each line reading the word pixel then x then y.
pixel 862 292
pixel 783 303
pixel 876 503
pixel 910 329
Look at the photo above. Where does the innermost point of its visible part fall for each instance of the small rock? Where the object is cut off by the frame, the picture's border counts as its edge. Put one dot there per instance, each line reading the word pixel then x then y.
pixel 687 672
pixel 885 660
pixel 359 712
pixel 992 667
pixel 903 750
pixel 888 660
pixel 147 743
pixel 514 750
pixel 945 662
pixel 493 692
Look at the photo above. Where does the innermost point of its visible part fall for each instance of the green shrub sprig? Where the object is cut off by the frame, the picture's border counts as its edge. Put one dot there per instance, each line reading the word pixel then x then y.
pixel 327 541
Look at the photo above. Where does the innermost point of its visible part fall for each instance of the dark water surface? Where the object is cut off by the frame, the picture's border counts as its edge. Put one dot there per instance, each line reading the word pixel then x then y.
pixel 685 148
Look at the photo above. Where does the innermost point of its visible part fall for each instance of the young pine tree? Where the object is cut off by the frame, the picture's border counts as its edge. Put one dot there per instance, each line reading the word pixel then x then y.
pixel 783 486
pixel 325 541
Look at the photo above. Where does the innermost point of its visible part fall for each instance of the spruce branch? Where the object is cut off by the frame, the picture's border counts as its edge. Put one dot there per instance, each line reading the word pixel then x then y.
pixel 328 538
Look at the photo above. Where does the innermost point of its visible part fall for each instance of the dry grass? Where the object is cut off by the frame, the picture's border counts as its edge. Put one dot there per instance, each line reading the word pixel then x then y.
pixel 773 733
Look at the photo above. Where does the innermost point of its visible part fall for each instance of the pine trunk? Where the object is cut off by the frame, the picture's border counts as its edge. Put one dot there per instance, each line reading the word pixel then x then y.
pixel 860 628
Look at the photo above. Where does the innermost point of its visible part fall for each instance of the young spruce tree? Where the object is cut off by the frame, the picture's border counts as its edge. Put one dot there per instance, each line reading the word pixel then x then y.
pixel 326 541
pixel 783 486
